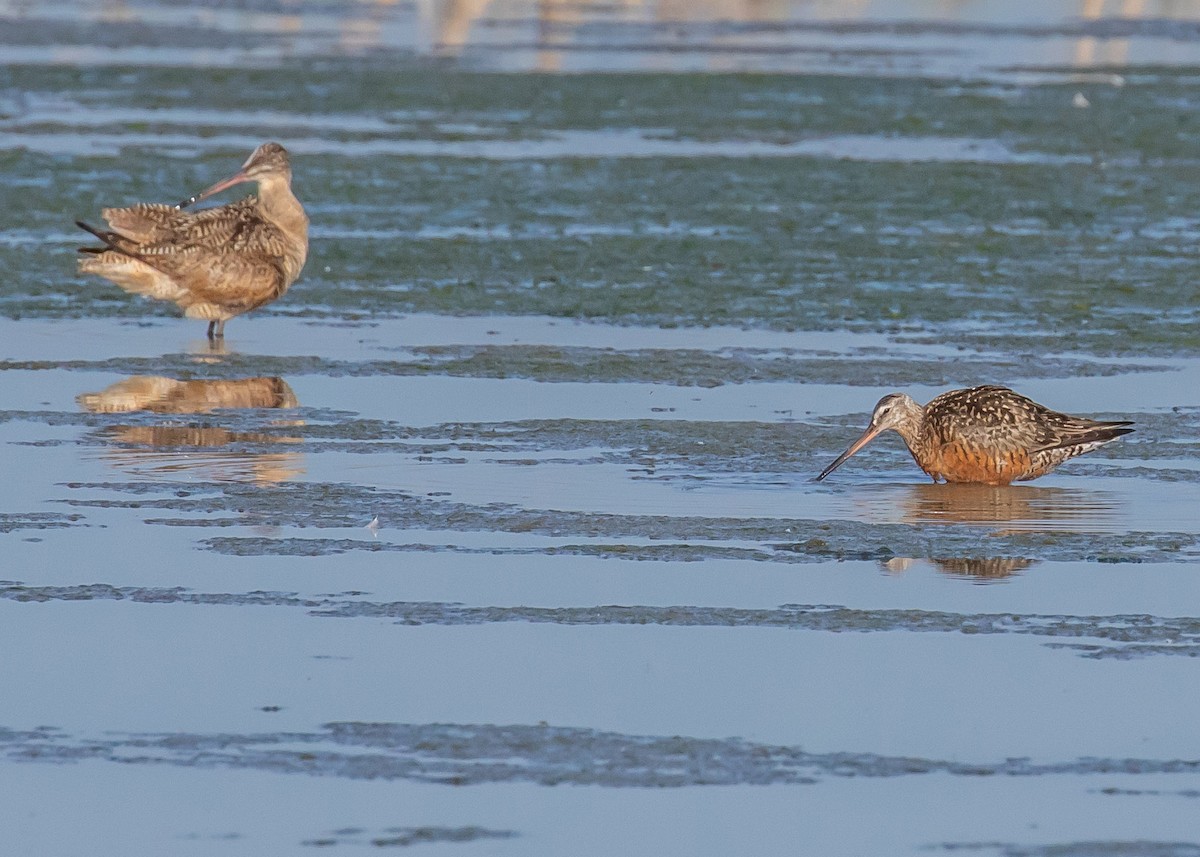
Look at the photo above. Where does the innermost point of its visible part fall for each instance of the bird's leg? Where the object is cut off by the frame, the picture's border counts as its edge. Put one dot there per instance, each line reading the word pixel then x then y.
pixel 211 326
pixel 216 329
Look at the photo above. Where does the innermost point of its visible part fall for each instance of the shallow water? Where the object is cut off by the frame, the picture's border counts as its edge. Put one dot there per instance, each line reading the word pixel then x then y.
pixel 512 491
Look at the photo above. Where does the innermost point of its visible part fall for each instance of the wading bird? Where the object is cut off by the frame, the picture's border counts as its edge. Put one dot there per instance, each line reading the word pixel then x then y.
pixel 216 263
pixel 984 434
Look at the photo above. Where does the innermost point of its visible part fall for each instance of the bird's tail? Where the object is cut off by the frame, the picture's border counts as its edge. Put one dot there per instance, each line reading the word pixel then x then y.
pixel 1095 435
pixel 119 261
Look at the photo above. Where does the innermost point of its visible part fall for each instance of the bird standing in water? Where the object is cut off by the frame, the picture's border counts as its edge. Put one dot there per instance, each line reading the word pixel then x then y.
pixel 984 434
pixel 216 263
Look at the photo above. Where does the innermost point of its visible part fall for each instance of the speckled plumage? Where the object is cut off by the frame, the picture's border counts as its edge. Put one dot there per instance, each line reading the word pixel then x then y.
pixel 986 434
pixel 216 263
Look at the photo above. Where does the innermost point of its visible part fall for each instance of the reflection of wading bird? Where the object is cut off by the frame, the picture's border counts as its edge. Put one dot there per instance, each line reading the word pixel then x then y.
pixel 168 449
pixel 979 568
pixel 1015 509
pixel 984 434
pixel 214 264
pixel 168 396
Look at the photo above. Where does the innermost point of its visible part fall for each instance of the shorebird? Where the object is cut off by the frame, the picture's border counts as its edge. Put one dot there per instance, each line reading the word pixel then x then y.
pixel 984 434
pixel 216 263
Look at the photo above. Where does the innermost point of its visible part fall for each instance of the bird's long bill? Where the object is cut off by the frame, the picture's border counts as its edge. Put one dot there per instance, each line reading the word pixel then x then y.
pixel 237 178
pixel 867 437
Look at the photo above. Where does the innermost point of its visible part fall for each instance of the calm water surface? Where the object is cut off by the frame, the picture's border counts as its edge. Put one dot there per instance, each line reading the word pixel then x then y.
pixel 497 534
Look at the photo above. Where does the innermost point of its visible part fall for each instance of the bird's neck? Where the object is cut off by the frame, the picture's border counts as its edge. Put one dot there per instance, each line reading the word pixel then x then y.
pixel 909 426
pixel 279 205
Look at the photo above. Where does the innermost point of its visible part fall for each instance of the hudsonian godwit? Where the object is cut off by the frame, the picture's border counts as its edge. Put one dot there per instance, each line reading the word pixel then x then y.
pixel 216 263
pixel 984 434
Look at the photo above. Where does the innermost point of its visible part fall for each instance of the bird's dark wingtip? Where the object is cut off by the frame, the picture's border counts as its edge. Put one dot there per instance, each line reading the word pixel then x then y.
pixel 93 230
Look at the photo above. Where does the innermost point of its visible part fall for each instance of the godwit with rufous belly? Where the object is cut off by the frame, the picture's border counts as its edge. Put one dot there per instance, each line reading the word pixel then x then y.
pixel 984 434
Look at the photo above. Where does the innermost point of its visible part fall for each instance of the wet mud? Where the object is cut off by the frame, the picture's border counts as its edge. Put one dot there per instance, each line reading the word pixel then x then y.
pixel 1120 637
pixel 474 754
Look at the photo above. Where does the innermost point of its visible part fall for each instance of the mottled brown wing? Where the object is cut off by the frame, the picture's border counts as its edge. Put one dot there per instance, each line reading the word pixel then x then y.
pixel 161 229
pixel 238 227
pixel 990 418
pixel 144 222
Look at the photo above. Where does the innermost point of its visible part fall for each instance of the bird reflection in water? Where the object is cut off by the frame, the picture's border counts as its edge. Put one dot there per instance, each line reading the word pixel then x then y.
pixel 1020 508
pixel 980 569
pixel 208 450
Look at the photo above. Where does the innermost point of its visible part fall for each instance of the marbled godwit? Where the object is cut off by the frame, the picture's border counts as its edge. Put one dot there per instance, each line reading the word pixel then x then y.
pixel 984 434
pixel 214 264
